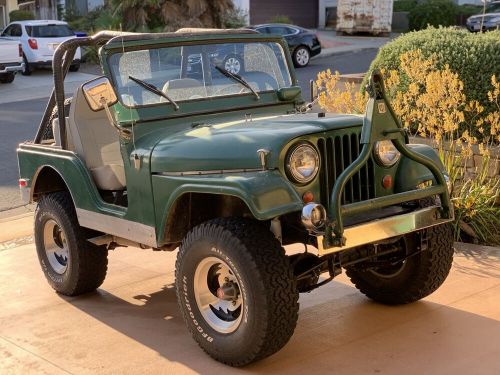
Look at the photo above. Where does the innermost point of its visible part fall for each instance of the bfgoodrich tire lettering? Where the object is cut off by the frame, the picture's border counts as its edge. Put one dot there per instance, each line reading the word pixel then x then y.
pixel 79 266
pixel 421 274
pixel 266 284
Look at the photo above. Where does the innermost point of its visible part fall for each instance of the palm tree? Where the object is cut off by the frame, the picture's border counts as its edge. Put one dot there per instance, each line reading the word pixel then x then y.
pixel 173 14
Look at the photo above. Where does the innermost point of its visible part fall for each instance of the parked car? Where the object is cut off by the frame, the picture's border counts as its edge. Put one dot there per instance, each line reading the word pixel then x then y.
pixel 11 60
pixel 230 56
pixel 303 43
pixel 39 40
pixel 488 21
pixel 230 169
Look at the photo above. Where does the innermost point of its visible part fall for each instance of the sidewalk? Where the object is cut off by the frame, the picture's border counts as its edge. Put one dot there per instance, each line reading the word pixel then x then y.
pixel 333 44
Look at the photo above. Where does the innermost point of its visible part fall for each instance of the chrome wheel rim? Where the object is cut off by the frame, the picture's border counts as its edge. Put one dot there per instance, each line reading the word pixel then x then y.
pixel 302 56
pixel 217 294
pixel 56 247
pixel 232 65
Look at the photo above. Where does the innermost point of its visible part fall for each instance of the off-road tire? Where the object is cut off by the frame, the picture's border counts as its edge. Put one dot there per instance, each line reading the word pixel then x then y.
pixel 7 77
pixel 267 282
pixel 87 263
pixel 48 133
pixel 422 274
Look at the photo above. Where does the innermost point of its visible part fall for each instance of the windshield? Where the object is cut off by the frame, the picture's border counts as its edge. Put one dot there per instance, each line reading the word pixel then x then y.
pixel 49 31
pixel 194 72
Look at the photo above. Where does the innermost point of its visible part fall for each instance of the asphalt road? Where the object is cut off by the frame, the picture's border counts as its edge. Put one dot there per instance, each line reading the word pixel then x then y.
pixel 19 119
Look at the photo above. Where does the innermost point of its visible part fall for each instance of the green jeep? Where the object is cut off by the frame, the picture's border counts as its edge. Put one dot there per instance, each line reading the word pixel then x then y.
pixel 172 149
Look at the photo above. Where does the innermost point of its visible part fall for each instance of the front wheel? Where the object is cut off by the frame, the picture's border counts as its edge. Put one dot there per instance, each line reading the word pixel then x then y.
pixel 71 264
pixel 236 290
pixel 419 266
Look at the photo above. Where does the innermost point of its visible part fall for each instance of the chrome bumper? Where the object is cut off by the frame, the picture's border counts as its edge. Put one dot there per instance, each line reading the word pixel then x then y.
pixel 12 68
pixel 382 229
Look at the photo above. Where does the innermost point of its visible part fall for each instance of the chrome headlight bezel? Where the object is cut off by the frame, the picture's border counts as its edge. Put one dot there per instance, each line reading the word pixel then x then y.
pixel 380 158
pixel 294 175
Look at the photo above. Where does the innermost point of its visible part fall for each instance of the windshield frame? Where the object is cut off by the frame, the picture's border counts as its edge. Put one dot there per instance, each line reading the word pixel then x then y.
pixel 117 46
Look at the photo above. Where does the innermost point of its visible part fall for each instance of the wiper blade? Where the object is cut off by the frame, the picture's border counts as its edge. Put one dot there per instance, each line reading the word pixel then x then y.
pixel 154 90
pixel 237 78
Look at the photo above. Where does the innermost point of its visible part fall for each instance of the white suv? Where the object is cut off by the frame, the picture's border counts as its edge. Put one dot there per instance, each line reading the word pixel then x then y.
pixel 39 40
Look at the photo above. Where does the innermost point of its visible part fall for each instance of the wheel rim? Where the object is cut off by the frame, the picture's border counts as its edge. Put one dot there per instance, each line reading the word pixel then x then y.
pixel 232 65
pixel 302 56
pixel 56 247
pixel 217 294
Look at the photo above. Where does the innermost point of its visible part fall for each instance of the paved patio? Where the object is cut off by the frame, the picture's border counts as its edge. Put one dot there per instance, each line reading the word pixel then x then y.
pixel 132 324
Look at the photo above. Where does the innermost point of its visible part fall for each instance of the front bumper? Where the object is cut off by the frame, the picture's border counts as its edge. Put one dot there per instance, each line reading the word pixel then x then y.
pixel 11 67
pixel 389 227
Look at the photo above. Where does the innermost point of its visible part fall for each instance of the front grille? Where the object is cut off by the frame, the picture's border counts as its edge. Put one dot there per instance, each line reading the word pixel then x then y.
pixel 337 153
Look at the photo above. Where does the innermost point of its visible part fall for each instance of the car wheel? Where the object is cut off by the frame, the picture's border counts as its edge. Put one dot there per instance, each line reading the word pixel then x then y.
pixel 71 264
pixel 7 77
pixel 28 69
pixel 233 64
pixel 301 56
pixel 425 261
pixel 236 290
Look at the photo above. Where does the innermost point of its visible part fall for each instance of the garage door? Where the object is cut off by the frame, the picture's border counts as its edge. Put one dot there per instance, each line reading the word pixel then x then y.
pixel 301 12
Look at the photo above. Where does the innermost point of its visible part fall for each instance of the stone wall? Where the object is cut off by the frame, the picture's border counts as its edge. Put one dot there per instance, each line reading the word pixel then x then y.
pixel 474 163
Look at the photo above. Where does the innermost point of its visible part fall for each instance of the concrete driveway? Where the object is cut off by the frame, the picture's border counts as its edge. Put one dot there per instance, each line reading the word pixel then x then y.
pixel 132 324
pixel 38 85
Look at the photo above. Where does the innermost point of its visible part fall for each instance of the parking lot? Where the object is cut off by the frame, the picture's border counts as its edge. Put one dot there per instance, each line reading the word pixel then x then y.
pixel 132 324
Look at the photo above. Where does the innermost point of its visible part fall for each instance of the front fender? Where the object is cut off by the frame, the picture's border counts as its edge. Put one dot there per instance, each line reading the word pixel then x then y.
pixel 410 173
pixel 266 193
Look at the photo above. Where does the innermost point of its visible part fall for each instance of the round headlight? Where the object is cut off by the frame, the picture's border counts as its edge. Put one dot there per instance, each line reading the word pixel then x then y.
pixel 303 163
pixel 386 153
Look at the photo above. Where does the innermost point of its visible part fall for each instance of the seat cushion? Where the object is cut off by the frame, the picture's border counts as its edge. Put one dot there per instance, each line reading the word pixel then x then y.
pixel 109 177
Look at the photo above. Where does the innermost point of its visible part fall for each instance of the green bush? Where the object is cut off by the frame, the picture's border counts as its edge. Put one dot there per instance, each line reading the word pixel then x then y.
pixel 21 15
pixel 404 5
pixel 475 57
pixel 234 19
pixel 433 13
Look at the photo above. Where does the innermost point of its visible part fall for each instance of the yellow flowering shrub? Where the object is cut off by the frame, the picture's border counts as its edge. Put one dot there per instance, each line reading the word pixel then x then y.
pixel 430 102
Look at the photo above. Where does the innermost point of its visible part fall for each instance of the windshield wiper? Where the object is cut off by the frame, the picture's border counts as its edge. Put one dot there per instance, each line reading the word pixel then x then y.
pixel 237 78
pixel 154 90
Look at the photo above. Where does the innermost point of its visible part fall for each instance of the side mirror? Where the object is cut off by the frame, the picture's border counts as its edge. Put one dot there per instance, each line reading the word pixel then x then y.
pixel 288 93
pixel 99 94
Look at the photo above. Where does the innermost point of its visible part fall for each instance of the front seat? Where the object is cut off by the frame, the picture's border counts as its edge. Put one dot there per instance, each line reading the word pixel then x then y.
pixel 185 89
pixel 96 141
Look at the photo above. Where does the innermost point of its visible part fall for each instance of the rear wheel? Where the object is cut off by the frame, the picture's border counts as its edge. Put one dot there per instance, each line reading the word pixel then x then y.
pixel 7 77
pixel 301 56
pixel 71 264
pixel 236 290
pixel 425 259
pixel 28 69
pixel 233 64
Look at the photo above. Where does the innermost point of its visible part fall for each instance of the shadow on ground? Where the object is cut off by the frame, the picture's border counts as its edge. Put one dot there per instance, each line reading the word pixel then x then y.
pixel 343 335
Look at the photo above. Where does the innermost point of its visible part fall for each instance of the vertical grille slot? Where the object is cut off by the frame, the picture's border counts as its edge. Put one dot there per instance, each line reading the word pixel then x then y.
pixel 337 153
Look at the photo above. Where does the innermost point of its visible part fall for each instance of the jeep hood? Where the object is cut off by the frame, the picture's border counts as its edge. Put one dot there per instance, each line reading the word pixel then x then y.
pixel 234 144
